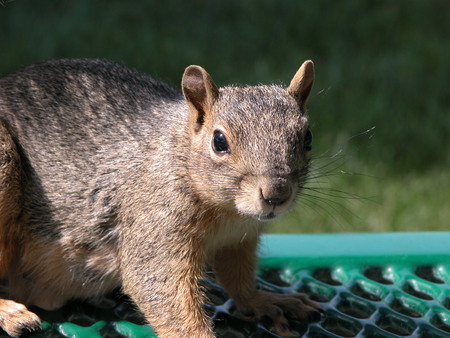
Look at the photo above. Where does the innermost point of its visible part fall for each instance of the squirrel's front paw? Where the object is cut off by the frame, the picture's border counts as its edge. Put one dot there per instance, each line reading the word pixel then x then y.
pixel 15 318
pixel 279 307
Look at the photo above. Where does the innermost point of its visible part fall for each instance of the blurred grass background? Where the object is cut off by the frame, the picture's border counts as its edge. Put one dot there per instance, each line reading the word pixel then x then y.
pixel 379 107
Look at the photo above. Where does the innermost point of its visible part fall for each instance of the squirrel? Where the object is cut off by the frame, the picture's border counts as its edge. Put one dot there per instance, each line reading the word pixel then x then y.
pixel 110 178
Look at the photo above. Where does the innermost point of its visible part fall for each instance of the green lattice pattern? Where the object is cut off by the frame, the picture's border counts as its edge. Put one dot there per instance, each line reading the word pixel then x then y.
pixel 378 285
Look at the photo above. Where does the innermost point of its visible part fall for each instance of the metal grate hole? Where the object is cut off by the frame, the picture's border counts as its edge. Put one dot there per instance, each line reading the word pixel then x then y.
pixel 375 332
pixel 378 274
pixel 355 307
pixel 396 324
pixel 430 332
pixel 318 332
pixel 361 290
pixel 400 306
pixel 325 275
pixel 126 311
pixel 81 320
pixel 441 321
pixel 318 292
pixel 109 331
pixel 427 272
pixel 413 290
pixel 298 328
pixel 215 294
pixel 227 326
pixel 274 277
pixel 341 326
pixel 446 303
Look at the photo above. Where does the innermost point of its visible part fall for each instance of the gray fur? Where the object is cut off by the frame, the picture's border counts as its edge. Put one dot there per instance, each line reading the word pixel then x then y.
pixel 117 187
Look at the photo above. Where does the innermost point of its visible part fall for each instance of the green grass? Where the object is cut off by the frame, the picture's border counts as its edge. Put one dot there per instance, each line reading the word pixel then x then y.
pixel 373 202
pixel 381 64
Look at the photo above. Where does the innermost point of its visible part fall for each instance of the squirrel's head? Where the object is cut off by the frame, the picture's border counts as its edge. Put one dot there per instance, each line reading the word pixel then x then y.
pixel 250 146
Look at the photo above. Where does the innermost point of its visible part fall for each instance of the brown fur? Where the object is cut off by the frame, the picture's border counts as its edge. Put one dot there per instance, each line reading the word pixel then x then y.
pixel 109 177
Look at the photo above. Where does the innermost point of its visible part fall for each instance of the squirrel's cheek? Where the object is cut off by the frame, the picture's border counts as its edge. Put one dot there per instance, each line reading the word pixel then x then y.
pixel 246 201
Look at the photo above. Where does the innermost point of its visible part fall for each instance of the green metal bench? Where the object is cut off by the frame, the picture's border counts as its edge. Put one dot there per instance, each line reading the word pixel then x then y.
pixel 370 285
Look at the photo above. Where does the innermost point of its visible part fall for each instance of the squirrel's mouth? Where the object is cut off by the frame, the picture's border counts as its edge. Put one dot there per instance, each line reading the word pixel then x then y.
pixel 264 198
pixel 266 217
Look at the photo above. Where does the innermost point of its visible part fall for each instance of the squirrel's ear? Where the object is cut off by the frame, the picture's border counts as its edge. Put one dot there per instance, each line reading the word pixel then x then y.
pixel 301 84
pixel 200 93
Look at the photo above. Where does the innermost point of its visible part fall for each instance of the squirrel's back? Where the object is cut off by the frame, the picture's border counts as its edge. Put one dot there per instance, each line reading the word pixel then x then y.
pixel 81 125
pixel 82 101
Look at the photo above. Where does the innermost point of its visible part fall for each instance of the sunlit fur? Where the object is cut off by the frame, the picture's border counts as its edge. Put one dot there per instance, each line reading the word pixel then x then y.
pixel 108 179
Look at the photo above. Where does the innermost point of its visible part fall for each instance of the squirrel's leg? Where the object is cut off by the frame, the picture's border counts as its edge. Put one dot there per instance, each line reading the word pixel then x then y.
pixel 235 269
pixel 164 284
pixel 14 317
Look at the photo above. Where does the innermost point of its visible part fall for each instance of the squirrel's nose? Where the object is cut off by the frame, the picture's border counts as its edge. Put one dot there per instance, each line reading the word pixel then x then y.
pixel 274 201
pixel 276 193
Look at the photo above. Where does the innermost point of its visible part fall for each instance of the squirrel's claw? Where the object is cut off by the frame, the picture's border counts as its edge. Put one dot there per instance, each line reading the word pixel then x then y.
pixel 15 318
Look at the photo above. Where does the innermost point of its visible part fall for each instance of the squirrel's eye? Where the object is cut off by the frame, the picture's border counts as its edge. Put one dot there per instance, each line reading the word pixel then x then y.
pixel 307 143
pixel 219 143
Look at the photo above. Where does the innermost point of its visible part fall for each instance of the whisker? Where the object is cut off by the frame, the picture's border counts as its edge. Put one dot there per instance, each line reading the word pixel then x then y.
pixel 363 133
pixel 334 205
pixel 313 205
pixel 331 192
